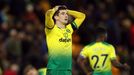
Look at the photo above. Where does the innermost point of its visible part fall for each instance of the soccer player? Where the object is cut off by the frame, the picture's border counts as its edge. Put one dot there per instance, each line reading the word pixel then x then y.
pixel 59 39
pixel 101 56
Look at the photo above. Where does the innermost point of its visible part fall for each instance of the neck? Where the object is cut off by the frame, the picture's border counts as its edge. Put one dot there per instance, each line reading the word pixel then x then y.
pixel 60 25
pixel 99 40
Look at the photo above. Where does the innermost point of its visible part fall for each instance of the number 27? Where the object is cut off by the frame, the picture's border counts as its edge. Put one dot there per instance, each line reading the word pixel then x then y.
pixel 97 59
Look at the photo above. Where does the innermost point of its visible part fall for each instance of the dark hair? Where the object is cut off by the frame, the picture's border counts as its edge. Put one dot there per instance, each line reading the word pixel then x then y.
pixel 100 31
pixel 62 7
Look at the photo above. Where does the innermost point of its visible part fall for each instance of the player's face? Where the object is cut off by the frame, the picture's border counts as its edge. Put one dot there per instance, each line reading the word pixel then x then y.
pixel 63 16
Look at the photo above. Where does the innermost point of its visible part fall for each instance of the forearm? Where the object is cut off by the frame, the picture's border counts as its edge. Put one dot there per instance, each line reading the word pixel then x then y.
pixel 76 14
pixel 79 17
pixel 117 64
pixel 82 62
pixel 49 18
pixel 84 68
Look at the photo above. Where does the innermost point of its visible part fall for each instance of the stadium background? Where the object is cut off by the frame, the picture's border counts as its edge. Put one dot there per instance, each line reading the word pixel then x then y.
pixel 22 38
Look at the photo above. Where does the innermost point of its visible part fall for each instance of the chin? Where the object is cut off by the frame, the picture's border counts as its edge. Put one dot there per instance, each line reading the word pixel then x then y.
pixel 65 23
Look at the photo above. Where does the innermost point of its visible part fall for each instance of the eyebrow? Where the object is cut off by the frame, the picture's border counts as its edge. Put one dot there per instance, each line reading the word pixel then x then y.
pixel 62 12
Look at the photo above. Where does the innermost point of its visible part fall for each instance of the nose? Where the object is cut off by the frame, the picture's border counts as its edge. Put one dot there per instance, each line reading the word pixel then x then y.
pixel 66 16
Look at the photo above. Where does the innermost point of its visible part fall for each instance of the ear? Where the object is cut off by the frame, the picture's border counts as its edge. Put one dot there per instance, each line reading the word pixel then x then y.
pixel 56 17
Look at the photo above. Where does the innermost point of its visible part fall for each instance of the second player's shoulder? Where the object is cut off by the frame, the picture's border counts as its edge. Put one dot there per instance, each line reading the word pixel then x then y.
pixel 91 44
pixel 108 44
pixel 88 46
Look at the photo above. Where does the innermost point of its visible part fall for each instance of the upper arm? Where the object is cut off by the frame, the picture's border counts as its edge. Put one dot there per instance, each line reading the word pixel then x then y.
pixel 49 22
pixel 81 59
pixel 84 53
pixel 112 53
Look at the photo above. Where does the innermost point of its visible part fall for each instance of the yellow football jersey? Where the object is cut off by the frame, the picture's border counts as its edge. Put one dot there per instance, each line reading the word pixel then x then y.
pixel 59 41
pixel 100 55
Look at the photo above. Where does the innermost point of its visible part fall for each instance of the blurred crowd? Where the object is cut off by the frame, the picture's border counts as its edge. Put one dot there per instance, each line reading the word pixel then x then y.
pixel 23 50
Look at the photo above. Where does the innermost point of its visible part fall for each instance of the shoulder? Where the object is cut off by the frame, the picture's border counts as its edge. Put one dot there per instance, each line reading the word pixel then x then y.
pixel 48 30
pixel 89 45
pixel 107 44
pixel 69 27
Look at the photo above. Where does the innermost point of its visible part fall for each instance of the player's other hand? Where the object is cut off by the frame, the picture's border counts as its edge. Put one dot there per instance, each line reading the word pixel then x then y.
pixel 126 67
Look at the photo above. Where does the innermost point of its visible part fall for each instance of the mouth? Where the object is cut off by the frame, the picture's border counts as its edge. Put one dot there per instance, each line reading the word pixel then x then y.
pixel 66 19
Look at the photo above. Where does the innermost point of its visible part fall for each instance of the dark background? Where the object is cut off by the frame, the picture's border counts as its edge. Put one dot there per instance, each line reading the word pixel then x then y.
pixel 22 37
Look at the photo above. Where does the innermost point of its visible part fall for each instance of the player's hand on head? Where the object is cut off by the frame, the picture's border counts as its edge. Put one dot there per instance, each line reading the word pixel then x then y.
pixel 57 7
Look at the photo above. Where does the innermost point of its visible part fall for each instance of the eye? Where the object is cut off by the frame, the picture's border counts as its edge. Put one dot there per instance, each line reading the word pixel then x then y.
pixel 63 13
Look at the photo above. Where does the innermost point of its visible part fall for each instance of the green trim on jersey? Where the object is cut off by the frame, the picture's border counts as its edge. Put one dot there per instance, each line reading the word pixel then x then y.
pixel 74 24
pixel 105 43
pixel 92 43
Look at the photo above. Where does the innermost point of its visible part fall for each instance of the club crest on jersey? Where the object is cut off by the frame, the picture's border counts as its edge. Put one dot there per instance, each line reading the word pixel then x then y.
pixel 67 30
pixel 65 35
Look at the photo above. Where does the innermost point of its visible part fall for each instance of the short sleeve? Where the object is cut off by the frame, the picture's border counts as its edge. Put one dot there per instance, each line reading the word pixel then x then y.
pixel 84 52
pixel 112 53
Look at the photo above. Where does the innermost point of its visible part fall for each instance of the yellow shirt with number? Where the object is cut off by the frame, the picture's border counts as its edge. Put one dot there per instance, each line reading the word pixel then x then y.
pixel 100 55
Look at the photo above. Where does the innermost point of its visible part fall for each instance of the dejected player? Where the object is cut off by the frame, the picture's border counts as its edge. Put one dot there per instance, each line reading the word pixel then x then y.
pixel 59 38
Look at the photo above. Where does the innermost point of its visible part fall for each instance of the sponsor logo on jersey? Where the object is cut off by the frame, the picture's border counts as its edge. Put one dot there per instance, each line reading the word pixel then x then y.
pixel 67 30
pixel 65 40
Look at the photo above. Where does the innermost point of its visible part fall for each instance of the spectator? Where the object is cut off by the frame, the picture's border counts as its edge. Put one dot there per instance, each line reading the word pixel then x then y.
pixel 12 70
pixel 13 46
pixel 30 70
